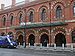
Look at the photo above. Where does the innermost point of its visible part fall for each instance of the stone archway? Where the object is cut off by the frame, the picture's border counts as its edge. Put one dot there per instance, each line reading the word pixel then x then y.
pixel 19 37
pixel 31 39
pixel 60 39
pixel 20 40
pixel 44 40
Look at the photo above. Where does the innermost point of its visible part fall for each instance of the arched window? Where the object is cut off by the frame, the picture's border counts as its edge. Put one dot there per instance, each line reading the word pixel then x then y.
pixel 58 12
pixel 4 21
pixel 31 17
pixel 11 20
pixel 74 9
pixel 20 18
pixel 43 14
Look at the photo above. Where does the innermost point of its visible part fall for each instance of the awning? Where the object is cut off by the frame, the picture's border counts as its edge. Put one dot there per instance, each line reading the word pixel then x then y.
pixel 41 25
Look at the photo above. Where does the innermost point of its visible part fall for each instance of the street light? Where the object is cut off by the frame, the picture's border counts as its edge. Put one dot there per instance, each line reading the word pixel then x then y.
pixel 24 39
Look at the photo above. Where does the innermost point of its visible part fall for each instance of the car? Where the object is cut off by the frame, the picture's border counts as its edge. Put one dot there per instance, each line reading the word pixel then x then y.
pixel 8 42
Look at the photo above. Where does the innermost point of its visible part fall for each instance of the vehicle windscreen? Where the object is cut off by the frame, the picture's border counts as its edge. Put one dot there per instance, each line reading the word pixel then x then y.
pixel 1 38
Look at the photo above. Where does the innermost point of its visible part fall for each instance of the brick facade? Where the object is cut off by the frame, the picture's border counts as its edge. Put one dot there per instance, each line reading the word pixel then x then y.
pixel 50 31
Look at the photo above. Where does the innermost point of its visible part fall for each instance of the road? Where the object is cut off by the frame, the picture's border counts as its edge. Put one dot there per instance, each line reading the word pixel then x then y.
pixel 31 52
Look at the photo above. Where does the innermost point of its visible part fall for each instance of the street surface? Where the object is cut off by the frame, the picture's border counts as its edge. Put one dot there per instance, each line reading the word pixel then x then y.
pixel 31 52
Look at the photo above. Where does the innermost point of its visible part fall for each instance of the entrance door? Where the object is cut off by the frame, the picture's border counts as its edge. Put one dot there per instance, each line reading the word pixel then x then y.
pixel 31 40
pixel 60 39
pixel 44 40
pixel 73 36
pixel 20 40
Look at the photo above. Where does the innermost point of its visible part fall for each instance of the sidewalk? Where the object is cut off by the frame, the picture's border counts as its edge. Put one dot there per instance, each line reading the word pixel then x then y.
pixel 57 49
pixel 48 48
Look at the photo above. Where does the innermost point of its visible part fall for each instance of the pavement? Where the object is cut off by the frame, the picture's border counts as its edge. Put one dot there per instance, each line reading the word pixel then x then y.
pixel 49 51
pixel 36 51
pixel 66 49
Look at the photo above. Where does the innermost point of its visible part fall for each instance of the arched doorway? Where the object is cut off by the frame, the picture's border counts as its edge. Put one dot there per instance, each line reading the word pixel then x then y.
pixel 60 39
pixel 73 36
pixel 20 39
pixel 44 40
pixel 31 39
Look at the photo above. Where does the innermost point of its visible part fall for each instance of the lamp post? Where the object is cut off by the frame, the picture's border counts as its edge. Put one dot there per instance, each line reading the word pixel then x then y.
pixel 24 39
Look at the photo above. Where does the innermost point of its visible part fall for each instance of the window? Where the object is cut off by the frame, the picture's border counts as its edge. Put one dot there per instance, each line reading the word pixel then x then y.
pixel 43 15
pixel 73 36
pixel 58 12
pixel 31 17
pixel 74 9
pixel 20 18
pixel 4 21
pixel 11 20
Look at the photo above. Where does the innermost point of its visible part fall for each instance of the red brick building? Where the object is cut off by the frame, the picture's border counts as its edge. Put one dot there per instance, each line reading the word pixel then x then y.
pixel 39 21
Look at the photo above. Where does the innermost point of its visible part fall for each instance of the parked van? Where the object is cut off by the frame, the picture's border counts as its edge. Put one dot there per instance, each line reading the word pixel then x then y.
pixel 6 41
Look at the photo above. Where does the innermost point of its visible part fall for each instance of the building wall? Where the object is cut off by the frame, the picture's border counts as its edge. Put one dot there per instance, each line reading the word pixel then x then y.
pixel 50 6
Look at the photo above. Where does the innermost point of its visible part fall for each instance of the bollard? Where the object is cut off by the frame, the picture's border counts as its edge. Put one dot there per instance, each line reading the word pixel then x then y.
pixel 24 45
pixel 47 46
pixel 19 45
pixel 40 45
pixel 54 46
pixel 63 46
pixel 34 44
pixel 71 46
pixel 29 44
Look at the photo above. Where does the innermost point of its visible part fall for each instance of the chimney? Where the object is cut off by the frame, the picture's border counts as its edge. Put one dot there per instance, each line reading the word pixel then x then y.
pixel 13 2
pixel 26 1
pixel 2 6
